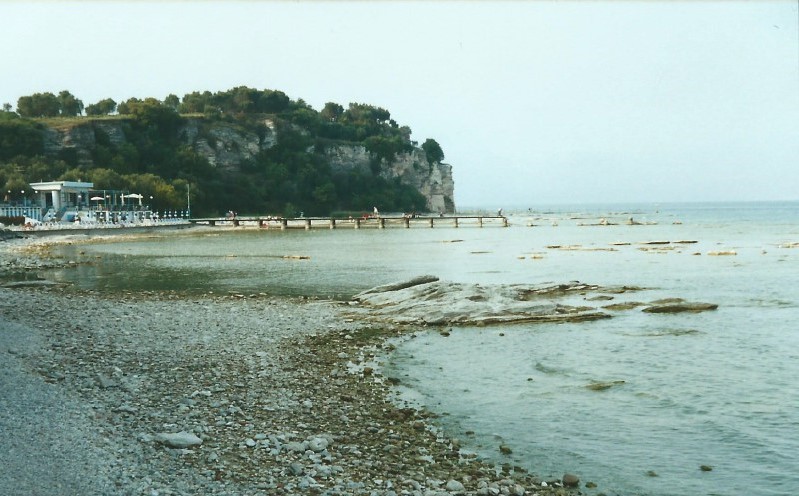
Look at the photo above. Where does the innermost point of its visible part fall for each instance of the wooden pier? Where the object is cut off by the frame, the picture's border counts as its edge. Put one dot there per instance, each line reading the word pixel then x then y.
pixel 354 223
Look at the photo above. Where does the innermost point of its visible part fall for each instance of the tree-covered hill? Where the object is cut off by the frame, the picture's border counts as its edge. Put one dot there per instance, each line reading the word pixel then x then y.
pixel 248 150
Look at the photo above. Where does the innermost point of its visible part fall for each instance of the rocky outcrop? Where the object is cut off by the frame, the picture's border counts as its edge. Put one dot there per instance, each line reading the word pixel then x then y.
pixel 230 146
pixel 223 144
pixel 428 301
pixel 433 180
pixel 227 145
pixel 80 140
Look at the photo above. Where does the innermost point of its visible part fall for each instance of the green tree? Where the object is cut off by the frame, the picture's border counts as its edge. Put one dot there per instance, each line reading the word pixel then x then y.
pixel 383 148
pixel 433 151
pixel 69 105
pixel 332 112
pixel 38 105
pixel 20 137
pixel 107 179
pixel 172 101
pixel 103 107
pixel 196 102
pixel 272 102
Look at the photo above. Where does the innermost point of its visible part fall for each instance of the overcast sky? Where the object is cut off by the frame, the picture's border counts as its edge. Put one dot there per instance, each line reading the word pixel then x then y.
pixel 533 102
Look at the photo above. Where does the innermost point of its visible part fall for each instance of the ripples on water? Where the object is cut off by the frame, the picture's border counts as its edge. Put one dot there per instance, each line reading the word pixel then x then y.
pixel 715 388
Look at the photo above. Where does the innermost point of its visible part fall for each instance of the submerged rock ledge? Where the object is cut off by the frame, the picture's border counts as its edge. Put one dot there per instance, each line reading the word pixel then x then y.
pixel 426 300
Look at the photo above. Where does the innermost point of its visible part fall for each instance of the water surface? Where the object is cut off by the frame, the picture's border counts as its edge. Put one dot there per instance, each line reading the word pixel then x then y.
pixel 715 388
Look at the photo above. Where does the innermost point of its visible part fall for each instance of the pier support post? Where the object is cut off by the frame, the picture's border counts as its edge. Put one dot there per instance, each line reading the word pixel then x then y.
pixel 504 222
pixel 431 222
pixel 407 222
pixel 357 223
pixel 307 224
pixel 480 221
pixel 381 222
pixel 284 224
pixel 332 223
pixel 456 222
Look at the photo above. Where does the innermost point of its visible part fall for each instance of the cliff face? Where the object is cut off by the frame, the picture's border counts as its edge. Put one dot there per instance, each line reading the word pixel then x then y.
pixel 228 146
pixel 434 181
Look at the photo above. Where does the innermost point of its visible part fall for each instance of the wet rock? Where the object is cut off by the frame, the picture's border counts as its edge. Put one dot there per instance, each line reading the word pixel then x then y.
pixel 601 386
pixel 399 285
pixel 681 307
pixel 431 302
pixel 600 298
pixel 617 307
pixel 571 480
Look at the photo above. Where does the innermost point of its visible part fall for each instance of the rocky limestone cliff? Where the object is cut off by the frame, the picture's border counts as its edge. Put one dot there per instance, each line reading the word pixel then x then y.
pixel 223 144
pixel 228 146
pixel 434 181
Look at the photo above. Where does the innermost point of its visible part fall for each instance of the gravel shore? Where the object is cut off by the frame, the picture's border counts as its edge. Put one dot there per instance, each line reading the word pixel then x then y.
pixel 237 394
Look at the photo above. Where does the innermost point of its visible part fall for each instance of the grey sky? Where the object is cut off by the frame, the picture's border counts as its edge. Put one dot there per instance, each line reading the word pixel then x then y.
pixel 532 102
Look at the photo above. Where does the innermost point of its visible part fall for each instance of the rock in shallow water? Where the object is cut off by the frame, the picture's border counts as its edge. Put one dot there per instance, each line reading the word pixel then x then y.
pixel 571 480
pixel 681 307
pixel 429 301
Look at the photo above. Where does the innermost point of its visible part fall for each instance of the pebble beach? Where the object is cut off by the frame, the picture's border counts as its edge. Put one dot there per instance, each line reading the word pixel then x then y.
pixel 163 393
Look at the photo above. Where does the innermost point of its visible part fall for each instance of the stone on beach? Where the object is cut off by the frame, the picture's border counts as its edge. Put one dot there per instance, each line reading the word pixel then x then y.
pixel 246 395
pixel 178 440
pixel 454 486
pixel 318 444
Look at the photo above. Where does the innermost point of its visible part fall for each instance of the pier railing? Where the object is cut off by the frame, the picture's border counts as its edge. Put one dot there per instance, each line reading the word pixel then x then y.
pixel 354 223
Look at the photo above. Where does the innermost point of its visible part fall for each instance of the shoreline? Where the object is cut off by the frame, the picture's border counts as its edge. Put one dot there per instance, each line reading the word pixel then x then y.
pixel 282 393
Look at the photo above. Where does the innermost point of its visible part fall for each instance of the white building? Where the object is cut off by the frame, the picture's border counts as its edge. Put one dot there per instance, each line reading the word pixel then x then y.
pixel 56 195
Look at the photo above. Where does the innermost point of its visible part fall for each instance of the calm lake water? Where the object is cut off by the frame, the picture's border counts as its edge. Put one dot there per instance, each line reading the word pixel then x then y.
pixel 716 388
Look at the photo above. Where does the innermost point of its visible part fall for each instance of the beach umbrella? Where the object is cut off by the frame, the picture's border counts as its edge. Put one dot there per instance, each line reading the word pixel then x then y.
pixel 136 195
pixel 97 198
